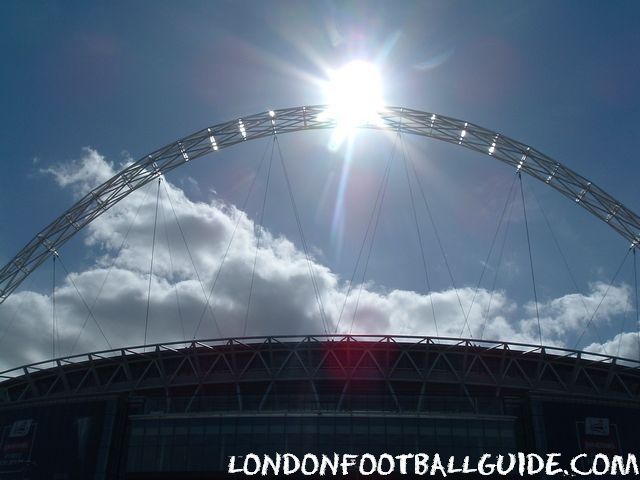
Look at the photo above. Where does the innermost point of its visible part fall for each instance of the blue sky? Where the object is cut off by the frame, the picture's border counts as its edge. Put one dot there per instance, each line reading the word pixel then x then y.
pixel 124 78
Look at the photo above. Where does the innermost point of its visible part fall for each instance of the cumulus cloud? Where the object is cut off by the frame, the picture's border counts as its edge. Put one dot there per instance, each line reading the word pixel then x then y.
pixel 560 317
pixel 626 345
pixel 83 174
pixel 188 260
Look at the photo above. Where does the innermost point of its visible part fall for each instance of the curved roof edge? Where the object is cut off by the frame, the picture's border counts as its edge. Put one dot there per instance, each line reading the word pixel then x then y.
pixel 471 364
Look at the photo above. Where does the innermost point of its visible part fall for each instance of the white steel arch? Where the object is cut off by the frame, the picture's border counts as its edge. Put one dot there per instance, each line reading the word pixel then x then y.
pixel 405 120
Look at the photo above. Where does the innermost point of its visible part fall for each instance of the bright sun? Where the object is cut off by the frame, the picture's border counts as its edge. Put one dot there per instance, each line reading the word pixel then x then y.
pixel 354 97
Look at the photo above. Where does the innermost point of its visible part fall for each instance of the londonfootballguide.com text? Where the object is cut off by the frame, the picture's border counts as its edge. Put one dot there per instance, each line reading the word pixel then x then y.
pixel 423 464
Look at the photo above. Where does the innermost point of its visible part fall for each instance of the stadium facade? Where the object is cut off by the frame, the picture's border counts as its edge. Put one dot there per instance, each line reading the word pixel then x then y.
pixel 181 410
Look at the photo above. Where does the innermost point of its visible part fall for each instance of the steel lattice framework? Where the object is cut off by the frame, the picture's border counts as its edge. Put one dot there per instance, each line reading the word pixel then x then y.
pixel 189 369
pixel 223 135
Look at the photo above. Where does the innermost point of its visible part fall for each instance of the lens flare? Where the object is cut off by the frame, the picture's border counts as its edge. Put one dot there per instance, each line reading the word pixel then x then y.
pixel 354 98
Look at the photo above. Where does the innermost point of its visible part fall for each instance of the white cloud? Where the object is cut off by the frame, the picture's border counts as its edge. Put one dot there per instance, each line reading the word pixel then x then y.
pixel 626 345
pixel 283 299
pixel 84 173
pixel 572 312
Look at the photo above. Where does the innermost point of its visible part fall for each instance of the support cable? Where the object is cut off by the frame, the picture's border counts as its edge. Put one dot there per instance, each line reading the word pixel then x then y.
pixel 440 246
pixel 153 248
pixel 565 261
pixel 635 281
pixel 84 302
pixel 593 315
pixel 53 308
pixel 175 285
pixel 113 263
pixel 193 264
pixel 305 247
pixel 259 237
pixel 233 234
pixel 387 174
pixel 366 233
pixel 419 235
pixel 624 321
pixel 510 203
pixel 493 242
pixel 533 278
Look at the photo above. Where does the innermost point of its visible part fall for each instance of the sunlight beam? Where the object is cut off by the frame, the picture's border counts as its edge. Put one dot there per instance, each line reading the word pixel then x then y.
pixel 354 98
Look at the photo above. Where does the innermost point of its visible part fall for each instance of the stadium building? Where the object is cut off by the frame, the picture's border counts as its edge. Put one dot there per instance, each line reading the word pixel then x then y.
pixel 181 411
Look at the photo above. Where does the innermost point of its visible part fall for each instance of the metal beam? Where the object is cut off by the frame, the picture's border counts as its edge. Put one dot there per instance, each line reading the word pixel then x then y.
pixel 223 135
pixel 432 361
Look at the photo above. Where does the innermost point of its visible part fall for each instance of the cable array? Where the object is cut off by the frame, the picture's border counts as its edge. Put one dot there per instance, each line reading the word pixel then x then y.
pixel 259 232
pixel 506 150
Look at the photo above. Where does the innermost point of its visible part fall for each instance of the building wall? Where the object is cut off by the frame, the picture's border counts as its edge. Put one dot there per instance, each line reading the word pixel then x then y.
pixel 182 413
pixel 60 440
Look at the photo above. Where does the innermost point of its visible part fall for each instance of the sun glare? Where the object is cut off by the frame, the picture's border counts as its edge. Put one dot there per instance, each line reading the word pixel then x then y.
pixel 354 97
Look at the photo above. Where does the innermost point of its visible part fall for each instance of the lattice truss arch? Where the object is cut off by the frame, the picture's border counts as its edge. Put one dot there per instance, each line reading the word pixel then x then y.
pixel 223 135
